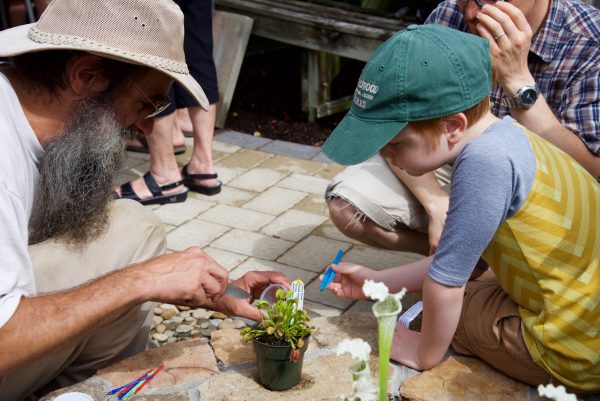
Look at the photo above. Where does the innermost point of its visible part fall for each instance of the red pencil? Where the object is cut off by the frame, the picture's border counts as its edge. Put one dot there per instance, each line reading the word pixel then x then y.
pixel 150 378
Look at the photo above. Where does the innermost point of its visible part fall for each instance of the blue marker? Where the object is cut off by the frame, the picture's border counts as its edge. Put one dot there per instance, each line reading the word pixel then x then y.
pixel 330 273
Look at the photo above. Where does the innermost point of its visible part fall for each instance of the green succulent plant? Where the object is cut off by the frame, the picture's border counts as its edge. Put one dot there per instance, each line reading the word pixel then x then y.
pixel 283 324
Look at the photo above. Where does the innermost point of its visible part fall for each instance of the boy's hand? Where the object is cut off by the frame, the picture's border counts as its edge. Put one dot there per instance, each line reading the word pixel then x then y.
pixel 349 280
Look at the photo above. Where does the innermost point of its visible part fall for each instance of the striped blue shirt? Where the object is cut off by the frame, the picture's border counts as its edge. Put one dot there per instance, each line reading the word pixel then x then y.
pixel 564 60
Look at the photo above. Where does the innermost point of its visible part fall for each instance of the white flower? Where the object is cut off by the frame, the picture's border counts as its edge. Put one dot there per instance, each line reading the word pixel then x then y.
pixel 556 393
pixel 376 291
pixel 356 347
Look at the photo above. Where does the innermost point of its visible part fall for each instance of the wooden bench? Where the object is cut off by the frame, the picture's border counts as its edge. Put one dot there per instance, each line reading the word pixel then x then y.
pixel 325 31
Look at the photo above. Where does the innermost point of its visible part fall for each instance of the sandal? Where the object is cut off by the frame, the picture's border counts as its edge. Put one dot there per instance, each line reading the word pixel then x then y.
pixel 143 147
pixel 158 198
pixel 189 181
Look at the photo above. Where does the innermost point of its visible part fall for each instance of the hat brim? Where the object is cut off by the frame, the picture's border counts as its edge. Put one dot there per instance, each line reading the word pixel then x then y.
pixel 354 140
pixel 14 41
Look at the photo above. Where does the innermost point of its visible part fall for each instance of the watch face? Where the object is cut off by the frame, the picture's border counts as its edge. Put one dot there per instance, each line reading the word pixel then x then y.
pixel 528 97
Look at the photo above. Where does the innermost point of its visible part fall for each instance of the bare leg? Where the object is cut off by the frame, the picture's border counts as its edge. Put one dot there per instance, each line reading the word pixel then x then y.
pixel 163 165
pixel 204 128
pixel 183 120
pixel 349 221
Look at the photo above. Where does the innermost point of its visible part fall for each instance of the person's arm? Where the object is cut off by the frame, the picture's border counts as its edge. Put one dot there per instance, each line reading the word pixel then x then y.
pixel 442 307
pixel 45 323
pixel 430 195
pixel 509 53
pixel 350 277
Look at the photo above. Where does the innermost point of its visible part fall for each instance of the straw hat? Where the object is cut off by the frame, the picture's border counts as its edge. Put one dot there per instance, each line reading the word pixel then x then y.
pixel 145 32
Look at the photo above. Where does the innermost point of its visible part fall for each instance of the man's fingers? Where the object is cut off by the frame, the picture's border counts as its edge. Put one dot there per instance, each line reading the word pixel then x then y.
pixel 516 15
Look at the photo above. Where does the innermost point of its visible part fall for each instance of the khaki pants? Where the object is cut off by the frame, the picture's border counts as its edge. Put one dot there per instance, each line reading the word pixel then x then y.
pixel 377 193
pixel 490 328
pixel 134 234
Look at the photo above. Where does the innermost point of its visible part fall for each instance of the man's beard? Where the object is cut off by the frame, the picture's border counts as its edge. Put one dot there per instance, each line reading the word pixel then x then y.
pixel 78 174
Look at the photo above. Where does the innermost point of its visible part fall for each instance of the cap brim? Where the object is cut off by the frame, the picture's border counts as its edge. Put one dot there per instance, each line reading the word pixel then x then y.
pixel 354 140
pixel 14 41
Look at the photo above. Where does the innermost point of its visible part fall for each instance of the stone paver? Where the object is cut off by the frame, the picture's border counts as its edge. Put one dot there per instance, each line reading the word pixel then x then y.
pixel 230 196
pixel 313 204
pixel 257 179
pixel 379 259
pixel 292 165
pixel 275 200
pixel 291 272
pixel 194 233
pixel 313 253
pixel 458 379
pixel 242 140
pixel 228 260
pixel 236 217
pixel 178 213
pixel 252 244
pixel 301 182
pixel 291 149
pixel 244 159
pixel 293 225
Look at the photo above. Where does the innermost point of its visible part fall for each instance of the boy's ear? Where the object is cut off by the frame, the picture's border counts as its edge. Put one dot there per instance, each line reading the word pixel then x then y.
pixel 456 125
pixel 86 75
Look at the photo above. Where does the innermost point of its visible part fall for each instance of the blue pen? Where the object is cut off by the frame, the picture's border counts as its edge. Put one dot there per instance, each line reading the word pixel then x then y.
pixel 330 273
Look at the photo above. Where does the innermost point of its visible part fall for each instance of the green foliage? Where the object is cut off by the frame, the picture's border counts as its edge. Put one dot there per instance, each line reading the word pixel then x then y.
pixel 283 322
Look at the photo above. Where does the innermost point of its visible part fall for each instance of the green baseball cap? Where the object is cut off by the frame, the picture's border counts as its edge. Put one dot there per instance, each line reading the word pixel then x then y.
pixel 420 73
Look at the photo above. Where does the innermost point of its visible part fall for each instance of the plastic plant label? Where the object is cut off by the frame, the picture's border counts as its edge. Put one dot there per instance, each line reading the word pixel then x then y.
pixel 298 292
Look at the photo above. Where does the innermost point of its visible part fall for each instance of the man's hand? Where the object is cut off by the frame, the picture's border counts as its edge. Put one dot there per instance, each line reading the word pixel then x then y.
pixel 254 283
pixel 189 277
pixel 509 35
pixel 349 280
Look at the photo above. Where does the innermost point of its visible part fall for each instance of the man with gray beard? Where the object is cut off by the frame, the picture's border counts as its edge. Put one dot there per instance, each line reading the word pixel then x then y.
pixel 75 266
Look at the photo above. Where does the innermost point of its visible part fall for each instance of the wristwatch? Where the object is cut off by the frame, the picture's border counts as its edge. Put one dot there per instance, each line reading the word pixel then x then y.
pixel 524 99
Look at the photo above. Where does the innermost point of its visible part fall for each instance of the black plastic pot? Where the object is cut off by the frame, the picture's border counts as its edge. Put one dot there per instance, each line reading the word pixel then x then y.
pixel 275 370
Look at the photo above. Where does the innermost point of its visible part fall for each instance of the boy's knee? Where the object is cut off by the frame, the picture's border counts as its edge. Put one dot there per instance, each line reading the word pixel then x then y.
pixel 343 214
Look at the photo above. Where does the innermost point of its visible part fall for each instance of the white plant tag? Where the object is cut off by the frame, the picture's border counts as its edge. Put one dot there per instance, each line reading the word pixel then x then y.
pixel 298 292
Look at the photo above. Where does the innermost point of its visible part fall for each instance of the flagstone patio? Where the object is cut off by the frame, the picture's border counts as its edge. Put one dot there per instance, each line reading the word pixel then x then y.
pixel 271 215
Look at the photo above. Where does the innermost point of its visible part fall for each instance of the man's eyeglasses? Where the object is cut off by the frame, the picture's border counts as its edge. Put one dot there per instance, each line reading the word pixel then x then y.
pixel 158 107
pixel 480 3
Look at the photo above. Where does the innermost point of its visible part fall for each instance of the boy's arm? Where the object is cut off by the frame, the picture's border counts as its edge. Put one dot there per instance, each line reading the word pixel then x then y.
pixel 442 307
pixel 431 196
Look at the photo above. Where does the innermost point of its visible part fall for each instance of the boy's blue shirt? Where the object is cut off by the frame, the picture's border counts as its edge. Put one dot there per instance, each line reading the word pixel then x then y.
pixel 491 178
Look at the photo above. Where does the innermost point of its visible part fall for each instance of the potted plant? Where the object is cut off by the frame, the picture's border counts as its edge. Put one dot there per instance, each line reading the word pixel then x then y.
pixel 280 340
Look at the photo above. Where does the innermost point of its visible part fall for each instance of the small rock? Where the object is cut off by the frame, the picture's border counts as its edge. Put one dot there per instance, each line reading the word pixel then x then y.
pixel 202 313
pixel 219 315
pixel 161 328
pixel 172 340
pixel 168 311
pixel 156 320
pixel 257 133
pixel 215 322
pixel 226 324
pixel 159 337
pixel 204 325
pixel 169 333
pixel 185 313
pixel 207 331
pixel 190 320
pixel 183 307
pixel 158 310
pixel 238 324
pixel 184 328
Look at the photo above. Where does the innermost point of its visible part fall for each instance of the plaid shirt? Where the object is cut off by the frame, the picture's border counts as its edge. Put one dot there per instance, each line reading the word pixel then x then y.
pixel 564 60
